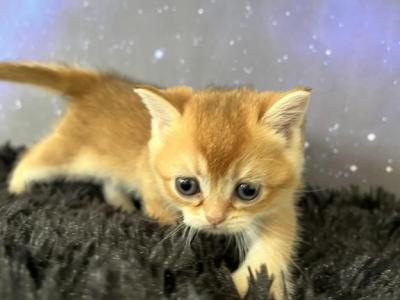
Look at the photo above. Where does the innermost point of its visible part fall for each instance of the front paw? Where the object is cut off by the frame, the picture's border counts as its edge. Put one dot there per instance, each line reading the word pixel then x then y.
pixel 273 286
pixel 241 279
pixel 17 186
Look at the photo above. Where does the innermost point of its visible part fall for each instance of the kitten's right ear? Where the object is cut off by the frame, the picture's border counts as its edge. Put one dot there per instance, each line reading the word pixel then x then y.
pixel 162 113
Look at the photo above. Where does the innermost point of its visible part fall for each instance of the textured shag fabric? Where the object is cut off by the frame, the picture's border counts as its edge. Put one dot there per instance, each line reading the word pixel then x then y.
pixel 61 241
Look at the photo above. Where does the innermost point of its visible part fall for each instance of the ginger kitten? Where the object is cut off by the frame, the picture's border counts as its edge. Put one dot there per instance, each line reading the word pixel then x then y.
pixel 224 160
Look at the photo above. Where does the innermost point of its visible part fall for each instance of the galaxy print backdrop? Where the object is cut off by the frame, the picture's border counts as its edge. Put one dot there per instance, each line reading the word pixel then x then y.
pixel 348 51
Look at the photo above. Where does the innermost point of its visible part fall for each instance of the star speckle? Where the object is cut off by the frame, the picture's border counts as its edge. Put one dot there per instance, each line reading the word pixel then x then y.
pixel 196 41
pixel 248 70
pixel 335 127
pixel 249 11
pixel 18 104
pixel 371 137
pixel 159 54
pixel 353 168
pixel 389 169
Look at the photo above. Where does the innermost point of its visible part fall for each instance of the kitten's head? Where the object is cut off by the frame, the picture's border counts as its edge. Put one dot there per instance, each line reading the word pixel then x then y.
pixel 226 158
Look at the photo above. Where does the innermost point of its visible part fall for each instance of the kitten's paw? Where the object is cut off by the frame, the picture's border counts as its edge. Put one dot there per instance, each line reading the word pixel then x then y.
pixel 117 198
pixel 121 203
pixel 17 185
pixel 240 278
pixel 125 207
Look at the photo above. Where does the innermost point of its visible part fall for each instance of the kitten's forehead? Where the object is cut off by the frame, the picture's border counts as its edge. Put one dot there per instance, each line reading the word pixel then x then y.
pixel 222 126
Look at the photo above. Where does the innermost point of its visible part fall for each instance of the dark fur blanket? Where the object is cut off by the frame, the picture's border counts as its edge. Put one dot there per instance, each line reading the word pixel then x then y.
pixel 62 241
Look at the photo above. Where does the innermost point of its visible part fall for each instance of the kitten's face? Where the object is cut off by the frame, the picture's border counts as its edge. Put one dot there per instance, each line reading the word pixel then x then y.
pixel 222 165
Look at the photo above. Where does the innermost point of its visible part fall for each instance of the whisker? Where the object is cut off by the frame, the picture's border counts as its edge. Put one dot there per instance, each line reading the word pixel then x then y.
pixel 238 247
pixel 242 244
pixel 229 242
pixel 295 265
pixel 173 232
pixel 185 234
pixel 191 233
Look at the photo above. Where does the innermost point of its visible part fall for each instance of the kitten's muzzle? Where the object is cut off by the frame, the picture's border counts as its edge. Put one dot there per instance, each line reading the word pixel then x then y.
pixel 216 219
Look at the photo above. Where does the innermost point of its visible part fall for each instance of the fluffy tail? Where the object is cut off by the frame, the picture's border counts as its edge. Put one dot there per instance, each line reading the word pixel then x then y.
pixel 61 78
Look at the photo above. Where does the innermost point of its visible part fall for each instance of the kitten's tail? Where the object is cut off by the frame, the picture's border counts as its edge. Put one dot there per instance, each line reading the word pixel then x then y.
pixel 70 81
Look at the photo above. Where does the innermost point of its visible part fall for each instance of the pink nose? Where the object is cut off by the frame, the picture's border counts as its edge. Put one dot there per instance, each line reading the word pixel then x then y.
pixel 215 219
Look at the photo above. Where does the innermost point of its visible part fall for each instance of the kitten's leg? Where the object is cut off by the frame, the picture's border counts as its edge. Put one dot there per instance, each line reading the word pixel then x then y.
pixel 57 156
pixel 43 162
pixel 274 248
pixel 117 197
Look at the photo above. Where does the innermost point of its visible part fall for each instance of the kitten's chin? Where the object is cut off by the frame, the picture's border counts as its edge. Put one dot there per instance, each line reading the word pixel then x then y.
pixel 218 230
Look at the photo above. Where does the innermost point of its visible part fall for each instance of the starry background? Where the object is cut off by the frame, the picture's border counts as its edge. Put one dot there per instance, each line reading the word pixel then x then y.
pixel 348 51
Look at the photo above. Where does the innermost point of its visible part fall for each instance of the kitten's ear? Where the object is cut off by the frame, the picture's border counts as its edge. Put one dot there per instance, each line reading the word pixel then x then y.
pixel 162 113
pixel 287 112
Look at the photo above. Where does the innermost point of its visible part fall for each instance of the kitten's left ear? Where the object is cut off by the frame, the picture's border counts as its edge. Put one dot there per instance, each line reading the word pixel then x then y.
pixel 288 112
pixel 162 113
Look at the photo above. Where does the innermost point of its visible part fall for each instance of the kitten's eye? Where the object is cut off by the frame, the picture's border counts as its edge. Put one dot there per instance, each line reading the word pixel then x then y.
pixel 247 191
pixel 187 186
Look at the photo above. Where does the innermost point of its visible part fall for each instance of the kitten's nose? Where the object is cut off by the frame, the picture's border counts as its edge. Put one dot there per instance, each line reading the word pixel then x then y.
pixel 216 219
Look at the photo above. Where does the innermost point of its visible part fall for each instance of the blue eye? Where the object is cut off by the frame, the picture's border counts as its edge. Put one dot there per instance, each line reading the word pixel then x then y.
pixel 187 186
pixel 247 191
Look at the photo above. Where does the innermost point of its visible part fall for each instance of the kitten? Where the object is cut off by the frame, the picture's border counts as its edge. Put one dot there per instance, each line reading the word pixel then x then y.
pixel 224 160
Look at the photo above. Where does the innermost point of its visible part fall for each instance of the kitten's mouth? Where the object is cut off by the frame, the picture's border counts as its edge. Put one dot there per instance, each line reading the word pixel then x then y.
pixel 215 229
pixel 219 229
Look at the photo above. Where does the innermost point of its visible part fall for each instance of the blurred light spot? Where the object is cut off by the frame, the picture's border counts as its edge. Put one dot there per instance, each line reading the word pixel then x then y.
pixel 389 169
pixel 371 137
pixel 353 168
pixel 159 54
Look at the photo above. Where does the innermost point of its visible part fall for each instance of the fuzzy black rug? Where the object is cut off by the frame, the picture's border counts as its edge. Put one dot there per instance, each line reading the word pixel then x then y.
pixel 62 241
